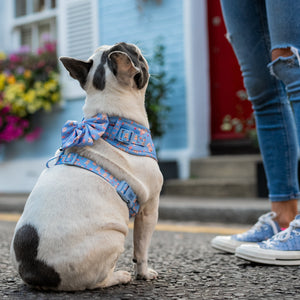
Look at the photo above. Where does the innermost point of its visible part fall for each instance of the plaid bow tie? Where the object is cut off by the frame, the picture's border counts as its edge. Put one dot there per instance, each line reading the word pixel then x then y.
pixel 83 133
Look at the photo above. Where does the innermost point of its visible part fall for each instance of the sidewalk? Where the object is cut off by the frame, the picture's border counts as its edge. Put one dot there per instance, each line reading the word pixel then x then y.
pixel 225 210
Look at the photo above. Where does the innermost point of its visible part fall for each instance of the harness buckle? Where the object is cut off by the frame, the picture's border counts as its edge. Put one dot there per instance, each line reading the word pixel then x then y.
pixel 126 192
pixel 125 136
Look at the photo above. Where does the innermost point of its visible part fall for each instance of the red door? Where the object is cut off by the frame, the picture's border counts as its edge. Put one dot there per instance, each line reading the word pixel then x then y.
pixel 231 112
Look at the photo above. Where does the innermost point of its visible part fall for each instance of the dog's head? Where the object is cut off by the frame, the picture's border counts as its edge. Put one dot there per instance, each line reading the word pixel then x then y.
pixel 122 64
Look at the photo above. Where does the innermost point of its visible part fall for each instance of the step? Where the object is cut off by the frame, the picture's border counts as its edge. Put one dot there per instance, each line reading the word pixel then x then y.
pixel 216 187
pixel 225 166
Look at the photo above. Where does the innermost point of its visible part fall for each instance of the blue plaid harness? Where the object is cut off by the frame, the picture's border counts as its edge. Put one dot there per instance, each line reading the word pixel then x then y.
pixel 124 134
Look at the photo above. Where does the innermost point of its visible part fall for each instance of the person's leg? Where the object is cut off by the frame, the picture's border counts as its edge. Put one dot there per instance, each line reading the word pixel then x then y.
pixel 284 27
pixel 248 33
pixel 248 30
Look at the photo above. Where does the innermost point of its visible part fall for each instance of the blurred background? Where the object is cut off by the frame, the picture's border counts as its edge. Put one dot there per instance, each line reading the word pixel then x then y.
pixel 201 120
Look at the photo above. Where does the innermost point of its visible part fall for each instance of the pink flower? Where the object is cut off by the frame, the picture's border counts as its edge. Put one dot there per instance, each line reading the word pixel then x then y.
pixel 41 64
pixel 33 135
pixel 12 127
pixel 40 51
pixel 15 58
pixel 10 133
pixel 50 47
pixel 24 123
pixel 5 110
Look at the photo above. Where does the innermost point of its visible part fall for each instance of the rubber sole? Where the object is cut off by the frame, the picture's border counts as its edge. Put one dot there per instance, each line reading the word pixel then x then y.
pixel 270 257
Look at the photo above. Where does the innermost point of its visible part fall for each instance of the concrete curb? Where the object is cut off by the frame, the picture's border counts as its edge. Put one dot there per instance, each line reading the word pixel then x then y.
pixel 211 214
pixel 238 211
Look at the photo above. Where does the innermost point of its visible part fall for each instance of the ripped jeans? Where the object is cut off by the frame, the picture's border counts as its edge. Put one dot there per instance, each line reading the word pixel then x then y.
pixel 255 28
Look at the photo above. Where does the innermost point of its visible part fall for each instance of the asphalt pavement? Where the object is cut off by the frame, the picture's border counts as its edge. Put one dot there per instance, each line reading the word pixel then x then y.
pixel 188 268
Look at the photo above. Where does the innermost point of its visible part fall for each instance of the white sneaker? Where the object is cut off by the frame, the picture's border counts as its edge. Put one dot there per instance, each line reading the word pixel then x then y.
pixel 264 229
pixel 282 249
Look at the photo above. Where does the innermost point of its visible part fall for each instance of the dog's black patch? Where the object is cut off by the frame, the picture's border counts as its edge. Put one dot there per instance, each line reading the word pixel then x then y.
pixel 32 270
pixel 99 76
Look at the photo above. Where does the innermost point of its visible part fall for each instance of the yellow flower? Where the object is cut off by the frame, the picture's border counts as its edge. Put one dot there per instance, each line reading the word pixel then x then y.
pixel 27 74
pixel 47 106
pixel 30 96
pixel 21 86
pixel 55 97
pixel 11 79
pixel 2 56
pixel 11 93
pixel 50 85
pixel 2 81
pixel 41 93
pixel 38 84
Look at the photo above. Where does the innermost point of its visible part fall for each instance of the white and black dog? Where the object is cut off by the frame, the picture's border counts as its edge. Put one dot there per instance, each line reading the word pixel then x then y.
pixel 73 227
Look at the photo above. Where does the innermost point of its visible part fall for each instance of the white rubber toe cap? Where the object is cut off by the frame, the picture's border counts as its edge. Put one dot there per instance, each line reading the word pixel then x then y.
pixel 225 243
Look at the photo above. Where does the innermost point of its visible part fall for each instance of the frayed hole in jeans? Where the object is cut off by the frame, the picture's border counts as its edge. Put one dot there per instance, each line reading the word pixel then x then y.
pixel 289 61
pixel 296 53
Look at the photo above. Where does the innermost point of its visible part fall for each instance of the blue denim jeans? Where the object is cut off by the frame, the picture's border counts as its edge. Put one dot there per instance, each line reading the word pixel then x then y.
pixel 255 28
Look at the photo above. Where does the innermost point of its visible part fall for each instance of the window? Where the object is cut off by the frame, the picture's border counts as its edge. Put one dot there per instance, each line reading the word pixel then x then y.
pixel 74 24
pixel 34 22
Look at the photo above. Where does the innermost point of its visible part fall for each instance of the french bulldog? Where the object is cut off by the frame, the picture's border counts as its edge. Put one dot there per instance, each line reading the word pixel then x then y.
pixel 73 227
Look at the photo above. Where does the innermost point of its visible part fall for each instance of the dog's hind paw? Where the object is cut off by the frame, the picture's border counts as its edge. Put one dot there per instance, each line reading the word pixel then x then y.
pixel 123 276
pixel 118 277
pixel 150 275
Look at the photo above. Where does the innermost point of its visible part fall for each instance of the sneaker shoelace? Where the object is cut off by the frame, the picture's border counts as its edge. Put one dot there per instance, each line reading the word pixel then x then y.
pixel 265 219
pixel 286 234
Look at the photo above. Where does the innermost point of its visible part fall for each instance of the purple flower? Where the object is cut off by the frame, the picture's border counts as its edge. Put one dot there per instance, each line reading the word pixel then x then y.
pixel 46 37
pixel 24 49
pixel 20 70
pixel 7 72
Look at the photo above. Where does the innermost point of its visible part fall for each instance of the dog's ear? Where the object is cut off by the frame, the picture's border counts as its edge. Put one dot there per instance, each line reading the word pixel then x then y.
pixel 78 69
pixel 122 67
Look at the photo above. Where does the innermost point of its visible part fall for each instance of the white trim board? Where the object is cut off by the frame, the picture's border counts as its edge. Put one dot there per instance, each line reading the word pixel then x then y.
pixel 197 77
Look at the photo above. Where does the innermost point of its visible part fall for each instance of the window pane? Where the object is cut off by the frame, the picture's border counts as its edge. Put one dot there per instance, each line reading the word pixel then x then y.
pixel 44 34
pixel 20 8
pixel 26 37
pixel 53 3
pixel 38 5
